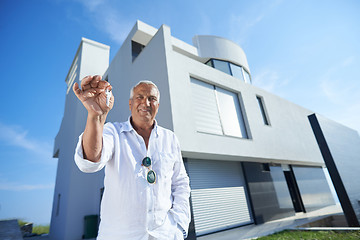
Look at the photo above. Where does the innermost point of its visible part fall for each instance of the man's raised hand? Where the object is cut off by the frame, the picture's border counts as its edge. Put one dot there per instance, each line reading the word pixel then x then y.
pixel 93 96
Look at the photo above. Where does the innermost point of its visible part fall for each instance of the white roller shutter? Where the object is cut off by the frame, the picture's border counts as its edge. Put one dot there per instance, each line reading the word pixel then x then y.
pixel 218 195
pixel 206 112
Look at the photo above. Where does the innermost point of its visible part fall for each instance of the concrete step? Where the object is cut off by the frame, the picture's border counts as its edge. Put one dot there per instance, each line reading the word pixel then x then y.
pixel 10 230
pixel 339 221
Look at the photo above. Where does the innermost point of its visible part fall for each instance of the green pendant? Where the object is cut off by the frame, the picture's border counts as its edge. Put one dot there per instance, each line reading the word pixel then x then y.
pixel 151 177
pixel 146 162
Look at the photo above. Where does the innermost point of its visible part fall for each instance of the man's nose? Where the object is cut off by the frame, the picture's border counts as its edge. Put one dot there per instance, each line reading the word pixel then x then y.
pixel 147 101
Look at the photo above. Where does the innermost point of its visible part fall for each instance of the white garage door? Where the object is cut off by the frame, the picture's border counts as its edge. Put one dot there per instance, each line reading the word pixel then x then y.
pixel 218 195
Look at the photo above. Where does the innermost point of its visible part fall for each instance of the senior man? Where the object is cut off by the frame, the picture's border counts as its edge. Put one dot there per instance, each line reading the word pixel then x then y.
pixel 146 185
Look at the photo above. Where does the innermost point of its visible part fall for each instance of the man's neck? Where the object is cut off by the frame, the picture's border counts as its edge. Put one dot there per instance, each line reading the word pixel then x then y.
pixel 142 126
pixel 144 129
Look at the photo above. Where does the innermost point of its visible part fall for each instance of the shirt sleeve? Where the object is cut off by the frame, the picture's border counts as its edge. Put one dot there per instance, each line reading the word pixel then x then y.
pixel 181 193
pixel 106 153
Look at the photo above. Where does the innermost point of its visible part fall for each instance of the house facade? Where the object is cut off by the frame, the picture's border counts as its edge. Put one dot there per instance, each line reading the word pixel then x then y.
pixel 251 156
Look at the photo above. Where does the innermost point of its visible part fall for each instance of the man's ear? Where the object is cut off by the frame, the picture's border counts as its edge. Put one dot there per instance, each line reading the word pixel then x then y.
pixel 130 104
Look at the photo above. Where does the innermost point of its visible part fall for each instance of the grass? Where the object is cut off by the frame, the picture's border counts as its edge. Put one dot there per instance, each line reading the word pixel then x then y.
pixel 37 229
pixel 316 235
pixel 41 229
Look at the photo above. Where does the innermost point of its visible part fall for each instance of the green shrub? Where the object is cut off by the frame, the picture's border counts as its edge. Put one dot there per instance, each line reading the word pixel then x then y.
pixel 37 229
pixel 21 222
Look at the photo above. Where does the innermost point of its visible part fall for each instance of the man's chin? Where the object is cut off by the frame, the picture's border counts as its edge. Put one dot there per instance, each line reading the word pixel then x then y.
pixel 146 118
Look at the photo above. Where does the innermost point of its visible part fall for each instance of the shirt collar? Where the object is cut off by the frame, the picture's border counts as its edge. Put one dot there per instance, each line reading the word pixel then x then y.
pixel 128 127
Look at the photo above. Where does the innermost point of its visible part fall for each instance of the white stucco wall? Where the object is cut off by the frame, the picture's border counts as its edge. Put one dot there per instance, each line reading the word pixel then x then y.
pixel 170 62
pixel 289 139
pixel 344 145
pixel 124 73
pixel 220 48
pixel 80 192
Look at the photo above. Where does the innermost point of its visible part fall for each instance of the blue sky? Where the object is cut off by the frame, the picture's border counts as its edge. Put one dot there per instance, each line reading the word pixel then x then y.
pixel 307 52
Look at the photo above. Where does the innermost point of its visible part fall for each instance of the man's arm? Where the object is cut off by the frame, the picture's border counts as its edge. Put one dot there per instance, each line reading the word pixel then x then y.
pixel 93 97
pixel 92 138
pixel 181 192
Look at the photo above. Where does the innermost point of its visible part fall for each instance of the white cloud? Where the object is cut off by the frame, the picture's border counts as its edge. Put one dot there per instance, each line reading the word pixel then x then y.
pixel 343 94
pixel 242 23
pixel 91 5
pixel 117 28
pixel 337 89
pixel 205 24
pixel 348 61
pixel 269 80
pixel 107 18
pixel 13 186
pixel 17 136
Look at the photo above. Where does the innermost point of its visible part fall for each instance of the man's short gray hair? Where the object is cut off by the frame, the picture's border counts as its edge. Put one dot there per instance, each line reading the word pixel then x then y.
pixel 144 82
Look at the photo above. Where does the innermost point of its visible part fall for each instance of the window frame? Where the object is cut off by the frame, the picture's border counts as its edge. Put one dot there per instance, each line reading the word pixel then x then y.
pixel 263 110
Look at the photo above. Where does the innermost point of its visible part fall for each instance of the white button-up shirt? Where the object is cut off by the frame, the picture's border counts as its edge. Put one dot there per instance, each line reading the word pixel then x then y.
pixel 132 208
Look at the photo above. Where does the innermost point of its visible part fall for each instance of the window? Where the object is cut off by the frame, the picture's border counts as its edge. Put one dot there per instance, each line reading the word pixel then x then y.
pixel 206 112
pixel 262 110
pixel 230 113
pixel 237 71
pixel 136 49
pixel 209 63
pixel 247 76
pixel 230 68
pixel 265 167
pixel 58 204
pixel 222 66
pixel 72 74
pixel 217 110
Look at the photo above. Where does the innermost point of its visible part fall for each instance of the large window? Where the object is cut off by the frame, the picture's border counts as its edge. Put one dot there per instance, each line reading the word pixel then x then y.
pixel 314 188
pixel 217 110
pixel 230 68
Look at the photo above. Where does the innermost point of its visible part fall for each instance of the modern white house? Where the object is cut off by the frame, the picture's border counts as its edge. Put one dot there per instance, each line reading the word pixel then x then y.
pixel 251 156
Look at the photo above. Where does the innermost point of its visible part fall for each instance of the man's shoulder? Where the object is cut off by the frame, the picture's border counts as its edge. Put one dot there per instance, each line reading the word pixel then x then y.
pixel 165 132
pixel 118 126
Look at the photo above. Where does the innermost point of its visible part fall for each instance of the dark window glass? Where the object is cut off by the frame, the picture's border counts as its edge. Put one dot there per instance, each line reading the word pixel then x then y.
pixel 209 63
pixel 247 76
pixel 262 110
pixel 268 191
pixel 314 188
pixel 136 49
pixel 265 167
pixel 236 71
pixel 58 205
pixel 222 66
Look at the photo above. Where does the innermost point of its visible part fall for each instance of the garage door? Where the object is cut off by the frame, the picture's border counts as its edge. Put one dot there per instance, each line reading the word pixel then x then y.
pixel 218 195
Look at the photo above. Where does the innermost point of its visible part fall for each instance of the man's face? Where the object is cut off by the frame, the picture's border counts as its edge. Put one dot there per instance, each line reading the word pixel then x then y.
pixel 145 103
